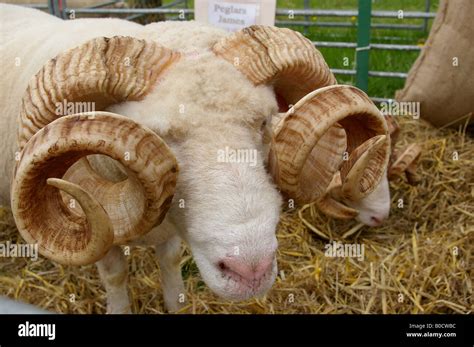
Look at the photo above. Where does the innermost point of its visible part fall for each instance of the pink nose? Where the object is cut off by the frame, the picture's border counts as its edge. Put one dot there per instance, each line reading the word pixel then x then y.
pixel 376 221
pixel 246 270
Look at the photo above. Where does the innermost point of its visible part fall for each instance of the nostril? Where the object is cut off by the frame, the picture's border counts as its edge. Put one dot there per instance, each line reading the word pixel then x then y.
pixel 248 270
pixel 375 220
pixel 235 266
pixel 221 265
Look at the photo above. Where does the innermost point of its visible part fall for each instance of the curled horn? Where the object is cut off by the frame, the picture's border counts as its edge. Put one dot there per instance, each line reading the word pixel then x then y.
pixel 365 167
pixel 402 160
pixel 132 207
pixel 298 138
pixel 393 128
pixel 289 62
pixel 278 56
pixel 330 205
pixel 405 161
pixel 103 71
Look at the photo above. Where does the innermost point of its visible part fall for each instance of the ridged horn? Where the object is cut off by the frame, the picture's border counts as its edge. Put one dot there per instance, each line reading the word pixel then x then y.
pixel 329 204
pixel 112 212
pixel 393 128
pixel 405 161
pixel 313 167
pixel 276 56
pixel 394 131
pixel 361 174
pixel 305 124
pixel 334 209
pixel 103 71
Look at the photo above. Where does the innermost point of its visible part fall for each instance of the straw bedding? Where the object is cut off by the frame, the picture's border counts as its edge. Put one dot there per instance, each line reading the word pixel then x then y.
pixel 419 261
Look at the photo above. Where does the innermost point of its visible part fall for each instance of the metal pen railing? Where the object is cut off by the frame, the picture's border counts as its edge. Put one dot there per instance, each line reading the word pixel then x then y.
pixel 364 25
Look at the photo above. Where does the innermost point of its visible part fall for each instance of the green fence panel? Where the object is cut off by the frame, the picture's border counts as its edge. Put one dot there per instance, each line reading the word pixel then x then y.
pixel 363 44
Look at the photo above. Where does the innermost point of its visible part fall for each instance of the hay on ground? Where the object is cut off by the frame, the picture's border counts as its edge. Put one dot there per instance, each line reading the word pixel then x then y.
pixel 419 261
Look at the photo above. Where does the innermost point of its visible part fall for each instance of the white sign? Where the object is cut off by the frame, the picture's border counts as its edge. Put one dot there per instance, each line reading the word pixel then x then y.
pixel 233 15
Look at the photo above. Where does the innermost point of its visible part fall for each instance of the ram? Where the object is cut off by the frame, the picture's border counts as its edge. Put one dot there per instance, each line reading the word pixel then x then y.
pixel 374 208
pixel 143 166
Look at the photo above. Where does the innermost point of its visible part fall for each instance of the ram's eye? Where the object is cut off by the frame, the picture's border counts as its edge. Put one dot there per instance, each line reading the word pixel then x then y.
pixel 264 124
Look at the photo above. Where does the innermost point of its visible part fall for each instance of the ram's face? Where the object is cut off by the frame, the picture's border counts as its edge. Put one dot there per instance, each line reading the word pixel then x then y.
pixel 226 203
pixel 227 209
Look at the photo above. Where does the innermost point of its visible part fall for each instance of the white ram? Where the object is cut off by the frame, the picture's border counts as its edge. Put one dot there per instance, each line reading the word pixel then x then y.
pixel 180 93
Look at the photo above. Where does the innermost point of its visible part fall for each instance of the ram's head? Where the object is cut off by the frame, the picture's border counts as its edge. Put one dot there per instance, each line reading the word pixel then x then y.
pixel 201 110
